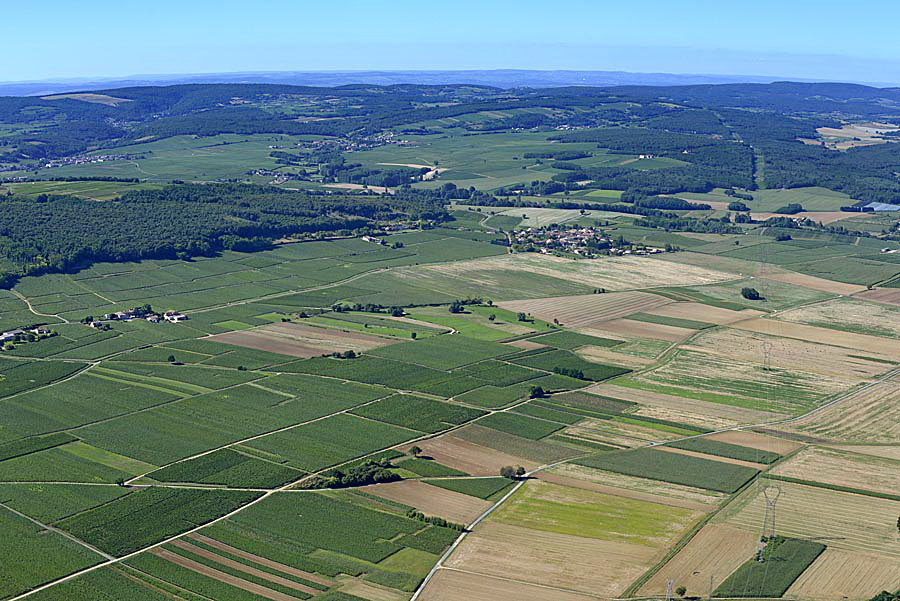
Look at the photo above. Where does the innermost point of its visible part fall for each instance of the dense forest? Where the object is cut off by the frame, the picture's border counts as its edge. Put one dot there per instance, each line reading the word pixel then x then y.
pixel 59 233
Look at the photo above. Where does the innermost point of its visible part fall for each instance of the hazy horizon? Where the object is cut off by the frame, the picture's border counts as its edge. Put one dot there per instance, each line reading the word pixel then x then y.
pixel 773 40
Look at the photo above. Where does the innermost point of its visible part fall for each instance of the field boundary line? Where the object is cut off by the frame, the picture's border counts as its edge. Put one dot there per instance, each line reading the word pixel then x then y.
pixel 27 302
pixel 58 531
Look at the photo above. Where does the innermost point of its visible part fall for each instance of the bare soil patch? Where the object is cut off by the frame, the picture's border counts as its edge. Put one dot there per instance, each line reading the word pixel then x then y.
pixel 739 415
pixel 598 567
pixel 431 500
pixel 756 466
pixel 717 550
pixel 890 296
pixel 843 468
pixel 701 312
pixel 469 457
pixel 205 570
pixel 640 329
pixel 587 309
pixel 526 345
pixel 813 282
pixel 286 569
pixel 757 441
pixel 455 585
pixel 837 574
pixel 298 340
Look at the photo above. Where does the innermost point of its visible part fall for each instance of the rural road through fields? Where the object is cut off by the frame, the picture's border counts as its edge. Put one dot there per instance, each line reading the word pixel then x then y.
pixel 446 555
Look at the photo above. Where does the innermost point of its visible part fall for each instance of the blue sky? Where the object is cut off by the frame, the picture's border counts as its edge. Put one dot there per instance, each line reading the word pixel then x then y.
pixel 825 39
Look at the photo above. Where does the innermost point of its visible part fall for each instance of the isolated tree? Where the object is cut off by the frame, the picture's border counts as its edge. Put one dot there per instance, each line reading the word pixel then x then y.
pixel 521 317
pixel 413 335
pixel 537 392
pixel 415 450
pixel 349 355
pixel 508 471
pixel 750 293
pixel 681 591
pixel 120 482
pixel 396 312
pixel 520 471
pixel 492 317
pixel 456 307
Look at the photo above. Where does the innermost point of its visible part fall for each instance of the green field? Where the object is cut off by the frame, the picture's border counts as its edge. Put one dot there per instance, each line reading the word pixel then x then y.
pixel 674 468
pixel 785 561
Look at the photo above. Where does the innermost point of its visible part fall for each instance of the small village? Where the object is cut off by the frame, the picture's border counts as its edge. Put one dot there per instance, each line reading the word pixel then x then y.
pixel 588 242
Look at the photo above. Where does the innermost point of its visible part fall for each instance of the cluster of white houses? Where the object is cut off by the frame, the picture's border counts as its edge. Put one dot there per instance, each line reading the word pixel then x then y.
pixel 20 334
pixel 138 313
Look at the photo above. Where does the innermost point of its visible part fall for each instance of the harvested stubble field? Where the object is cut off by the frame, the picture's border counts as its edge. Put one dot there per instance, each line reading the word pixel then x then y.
pixel 843 468
pixel 469 457
pixel 870 345
pixel 587 309
pixel 703 313
pixel 558 475
pixel 719 378
pixel 612 273
pixel 299 340
pixel 869 415
pixel 431 500
pixel 844 364
pixel 611 357
pixel 703 409
pixel 757 441
pixel 640 329
pixel 888 296
pixel 846 521
pixel 850 315
pixel 838 574
pixel 600 561
pixel 716 551
pixel 453 585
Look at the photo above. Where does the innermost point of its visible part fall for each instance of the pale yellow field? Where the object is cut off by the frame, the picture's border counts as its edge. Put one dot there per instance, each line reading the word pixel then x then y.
pixel 839 574
pixel 530 538
pixel 861 343
pixel 612 273
pixel 872 318
pixel 870 415
pixel 716 551
pixel 845 521
pixel 587 309
pixel 639 329
pixel 844 468
pixel 701 312
pixel 757 441
pixel 657 488
pixel 837 362
pixel 455 585
pixel 431 500
pixel 737 415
